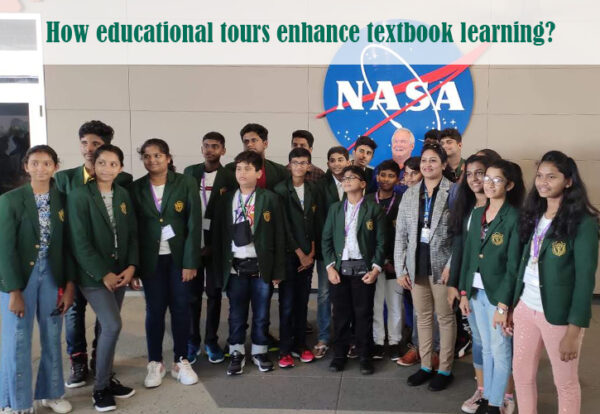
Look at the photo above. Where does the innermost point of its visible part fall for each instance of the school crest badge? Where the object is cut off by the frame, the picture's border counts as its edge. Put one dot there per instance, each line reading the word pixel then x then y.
pixel 370 225
pixel 559 248
pixel 61 215
pixel 179 206
pixel 267 216
pixel 497 239
pixel 123 208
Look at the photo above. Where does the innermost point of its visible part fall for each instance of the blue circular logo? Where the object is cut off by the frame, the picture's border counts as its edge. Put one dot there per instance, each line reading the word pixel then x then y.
pixel 383 91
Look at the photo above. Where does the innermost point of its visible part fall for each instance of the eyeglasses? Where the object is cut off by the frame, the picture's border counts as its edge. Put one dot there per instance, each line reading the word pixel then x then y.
pixel 496 180
pixel 299 163
pixel 350 178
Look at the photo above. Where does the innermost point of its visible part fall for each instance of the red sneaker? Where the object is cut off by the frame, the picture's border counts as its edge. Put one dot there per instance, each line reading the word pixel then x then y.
pixel 286 361
pixel 307 356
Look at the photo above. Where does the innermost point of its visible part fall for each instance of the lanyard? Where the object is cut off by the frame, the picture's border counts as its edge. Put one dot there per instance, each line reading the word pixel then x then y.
pixel 353 217
pixel 427 209
pixel 156 202
pixel 537 241
pixel 387 212
pixel 243 206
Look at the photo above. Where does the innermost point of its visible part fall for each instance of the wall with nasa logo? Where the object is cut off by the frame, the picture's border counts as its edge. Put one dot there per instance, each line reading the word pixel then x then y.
pixel 521 112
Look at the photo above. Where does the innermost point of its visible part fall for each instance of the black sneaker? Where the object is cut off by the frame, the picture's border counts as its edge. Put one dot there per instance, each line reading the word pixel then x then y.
pixel 420 377
pixel 104 400
pixel 352 352
pixel 483 406
pixel 119 390
pixel 366 367
pixel 273 343
pixel 395 352
pixel 440 382
pixel 378 352
pixel 236 365
pixel 263 362
pixel 337 364
pixel 79 371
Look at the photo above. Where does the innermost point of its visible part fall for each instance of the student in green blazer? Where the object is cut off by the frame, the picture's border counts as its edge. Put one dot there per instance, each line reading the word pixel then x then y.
pixel 92 135
pixel 353 245
pixel 301 203
pixel 32 282
pixel 249 256
pixel 103 233
pixel 488 273
pixel 555 282
pixel 330 187
pixel 170 220
pixel 213 181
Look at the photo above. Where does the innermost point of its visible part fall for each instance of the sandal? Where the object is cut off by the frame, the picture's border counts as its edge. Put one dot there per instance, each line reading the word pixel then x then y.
pixel 320 349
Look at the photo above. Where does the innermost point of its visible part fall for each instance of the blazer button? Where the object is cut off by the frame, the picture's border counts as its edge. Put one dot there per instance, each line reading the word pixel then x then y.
pixel 37 246
pixel 161 220
pixel 481 255
pixel 112 255
pixel 31 263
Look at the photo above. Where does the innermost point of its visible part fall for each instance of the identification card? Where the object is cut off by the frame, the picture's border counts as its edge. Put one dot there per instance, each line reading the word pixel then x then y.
pixel 205 224
pixel 167 233
pixel 425 235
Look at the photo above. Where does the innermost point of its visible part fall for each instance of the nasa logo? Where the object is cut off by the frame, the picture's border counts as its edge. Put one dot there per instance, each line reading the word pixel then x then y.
pixel 383 91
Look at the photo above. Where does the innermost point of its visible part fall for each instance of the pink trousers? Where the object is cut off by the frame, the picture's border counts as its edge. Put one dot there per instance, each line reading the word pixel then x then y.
pixel 533 332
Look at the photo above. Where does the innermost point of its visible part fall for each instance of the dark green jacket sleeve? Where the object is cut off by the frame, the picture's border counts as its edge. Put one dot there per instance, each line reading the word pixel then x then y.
pixel 380 225
pixel 10 268
pixel 191 250
pixel 133 251
pixel 327 245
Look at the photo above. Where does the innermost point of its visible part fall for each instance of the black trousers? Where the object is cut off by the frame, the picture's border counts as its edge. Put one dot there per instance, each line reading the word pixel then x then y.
pixel 352 301
pixel 213 306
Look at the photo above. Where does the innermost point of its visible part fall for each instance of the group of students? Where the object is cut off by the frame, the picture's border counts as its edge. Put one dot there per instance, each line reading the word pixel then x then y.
pixel 454 233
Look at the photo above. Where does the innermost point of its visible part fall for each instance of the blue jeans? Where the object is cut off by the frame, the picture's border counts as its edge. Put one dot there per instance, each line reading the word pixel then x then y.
pixel 496 352
pixel 476 338
pixel 293 306
pixel 165 289
pixel 16 371
pixel 323 303
pixel 245 291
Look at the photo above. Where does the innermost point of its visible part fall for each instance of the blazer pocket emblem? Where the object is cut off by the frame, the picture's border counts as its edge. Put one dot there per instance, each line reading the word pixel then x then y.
pixel 559 248
pixel 179 206
pixel 61 215
pixel 370 225
pixel 497 239
pixel 124 208
pixel 267 216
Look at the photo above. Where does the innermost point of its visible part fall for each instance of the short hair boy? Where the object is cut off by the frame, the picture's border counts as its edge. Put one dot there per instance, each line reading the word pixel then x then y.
pixel 451 141
pixel 364 150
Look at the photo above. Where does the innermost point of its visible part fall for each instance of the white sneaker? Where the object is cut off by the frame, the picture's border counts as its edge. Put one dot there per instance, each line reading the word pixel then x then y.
pixel 183 372
pixel 508 406
pixel 60 405
pixel 156 372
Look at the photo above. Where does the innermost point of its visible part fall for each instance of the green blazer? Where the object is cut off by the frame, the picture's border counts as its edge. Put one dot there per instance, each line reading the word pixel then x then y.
pixel 275 172
pixel 390 224
pixel 496 257
pixel 458 244
pixel 371 234
pixel 92 236
pixel 302 225
pixel 67 180
pixel 181 209
pixel 567 271
pixel 20 237
pixel 268 236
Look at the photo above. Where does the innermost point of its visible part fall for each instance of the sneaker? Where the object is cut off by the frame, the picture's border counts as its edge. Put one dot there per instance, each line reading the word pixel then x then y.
pixel 420 377
pixel 215 353
pixel 395 352
pixel 410 358
pixel 352 352
pixel 273 343
pixel 483 406
pixel 320 349
pixel 306 356
pixel 286 361
pixel 104 400
pixel 435 361
pixel 156 372
pixel 59 405
pixel 337 364
pixel 119 390
pixel 366 367
pixel 236 366
pixel 226 351
pixel 79 371
pixel 463 347
pixel 192 352
pixel 263 362
pixel 470 406
pixel 508 406
pixel 183 372
pixel 378 351
pixel 440 382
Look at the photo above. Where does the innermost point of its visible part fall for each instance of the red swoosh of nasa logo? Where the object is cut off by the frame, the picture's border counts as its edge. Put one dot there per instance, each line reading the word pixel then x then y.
pixel 447 73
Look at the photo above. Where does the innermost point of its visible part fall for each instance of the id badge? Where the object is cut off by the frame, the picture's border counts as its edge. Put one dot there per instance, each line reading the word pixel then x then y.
pixel 425 233
pixel 167 233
